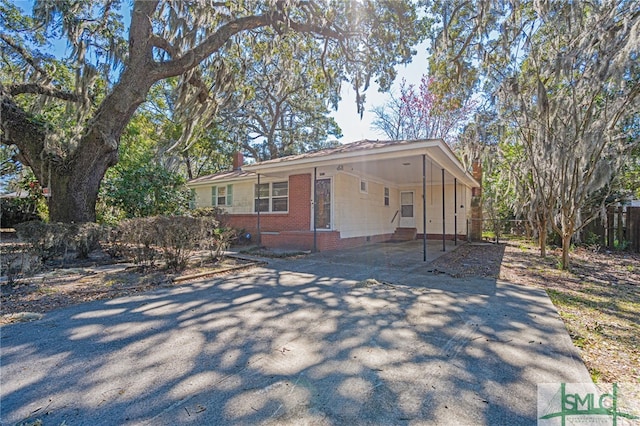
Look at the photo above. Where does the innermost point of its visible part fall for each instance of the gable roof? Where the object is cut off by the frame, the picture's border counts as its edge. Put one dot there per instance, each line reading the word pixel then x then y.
pixel 352 147
pixel 222 176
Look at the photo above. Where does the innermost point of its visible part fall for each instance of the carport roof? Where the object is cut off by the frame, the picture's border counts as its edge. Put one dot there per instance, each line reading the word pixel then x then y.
pixel 384 158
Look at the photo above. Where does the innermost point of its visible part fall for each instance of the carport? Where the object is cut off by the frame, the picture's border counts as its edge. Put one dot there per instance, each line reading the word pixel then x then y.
pixel 371 191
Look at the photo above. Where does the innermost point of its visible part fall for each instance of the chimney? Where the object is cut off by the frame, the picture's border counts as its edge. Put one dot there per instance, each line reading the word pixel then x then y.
pixel 238 160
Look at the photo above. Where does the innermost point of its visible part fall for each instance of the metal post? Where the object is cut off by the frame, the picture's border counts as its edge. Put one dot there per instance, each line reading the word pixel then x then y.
pixel 424 208
pixel 258 211
pixel 466 215
pixel 455 211
pixel 315 210
pixel 444 248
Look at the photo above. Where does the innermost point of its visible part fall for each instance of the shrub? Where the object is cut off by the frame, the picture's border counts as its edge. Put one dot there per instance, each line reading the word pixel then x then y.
pixel 49 240
pixel 134 238
pixel 219 240
pixel 178 236
pixel 174 238
pixel 220 215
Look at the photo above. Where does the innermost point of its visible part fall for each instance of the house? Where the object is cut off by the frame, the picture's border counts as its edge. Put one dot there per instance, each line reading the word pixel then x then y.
pixel 347 196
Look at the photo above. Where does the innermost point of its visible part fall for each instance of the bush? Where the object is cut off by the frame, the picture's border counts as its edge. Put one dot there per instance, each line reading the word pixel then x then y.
pixel 178 236
pixel 173 238
pixel 219 240
pixel 134 239
pixel 49 240
pixel 220 215
pixel 143 240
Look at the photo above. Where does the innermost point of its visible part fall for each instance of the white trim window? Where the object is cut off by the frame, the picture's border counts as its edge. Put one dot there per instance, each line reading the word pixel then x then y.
pixel 364 186
pixel 222 195
pixel 273 197
pixel 386 196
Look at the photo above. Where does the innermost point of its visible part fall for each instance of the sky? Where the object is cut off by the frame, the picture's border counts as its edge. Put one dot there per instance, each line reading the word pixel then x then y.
pixel 347 117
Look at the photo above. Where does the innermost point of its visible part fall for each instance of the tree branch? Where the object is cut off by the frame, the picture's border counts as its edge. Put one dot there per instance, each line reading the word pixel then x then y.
pixel 161 43
pixel 209 46
pixel 37 89
pixel 19 129
pixel 23 52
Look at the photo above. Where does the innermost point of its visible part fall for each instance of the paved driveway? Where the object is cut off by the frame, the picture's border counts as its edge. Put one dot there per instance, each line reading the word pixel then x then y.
pixel 307 341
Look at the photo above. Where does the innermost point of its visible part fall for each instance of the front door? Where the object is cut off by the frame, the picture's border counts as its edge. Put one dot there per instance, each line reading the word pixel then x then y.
pixel 407 211
pixel 323 204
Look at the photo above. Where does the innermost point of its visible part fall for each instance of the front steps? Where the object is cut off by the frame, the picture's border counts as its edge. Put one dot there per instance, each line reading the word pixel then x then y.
pixel 404 234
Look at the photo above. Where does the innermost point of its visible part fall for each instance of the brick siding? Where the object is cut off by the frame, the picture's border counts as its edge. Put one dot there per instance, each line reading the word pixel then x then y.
pixel 292 230
pixel 298 218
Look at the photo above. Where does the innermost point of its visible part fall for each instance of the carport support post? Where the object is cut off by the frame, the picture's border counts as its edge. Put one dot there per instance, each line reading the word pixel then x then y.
pixel 455 211
pixel 315 212
pixel 443 215
pixel 258 211
pixel 424 208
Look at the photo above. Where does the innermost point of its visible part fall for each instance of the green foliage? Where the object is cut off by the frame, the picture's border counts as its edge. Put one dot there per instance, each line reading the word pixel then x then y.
pixel 283 102
pixel 139 185
pixel 146 190
pixel 69 109
pixel 29 203
pixel 566 96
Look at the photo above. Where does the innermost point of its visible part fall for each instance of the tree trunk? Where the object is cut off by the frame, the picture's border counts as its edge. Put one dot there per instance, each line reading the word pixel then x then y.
pixel 74 192
pixel 542 238
pixel 566 245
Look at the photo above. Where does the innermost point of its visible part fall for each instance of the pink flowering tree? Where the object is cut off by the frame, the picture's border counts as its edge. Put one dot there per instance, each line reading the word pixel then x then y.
pixel 420 113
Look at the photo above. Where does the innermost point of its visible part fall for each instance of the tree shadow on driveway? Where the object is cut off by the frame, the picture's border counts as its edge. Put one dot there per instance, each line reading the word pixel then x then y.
pixel 304 341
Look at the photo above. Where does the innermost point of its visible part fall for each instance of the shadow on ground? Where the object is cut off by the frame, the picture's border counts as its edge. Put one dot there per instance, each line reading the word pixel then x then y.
pixel 314 340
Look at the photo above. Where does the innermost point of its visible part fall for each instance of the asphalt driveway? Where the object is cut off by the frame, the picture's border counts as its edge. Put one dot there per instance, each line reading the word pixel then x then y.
pixel 321 340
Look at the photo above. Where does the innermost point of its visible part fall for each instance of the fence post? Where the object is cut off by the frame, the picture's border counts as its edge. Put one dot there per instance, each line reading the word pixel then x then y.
pixel 633 228
pixel 610 227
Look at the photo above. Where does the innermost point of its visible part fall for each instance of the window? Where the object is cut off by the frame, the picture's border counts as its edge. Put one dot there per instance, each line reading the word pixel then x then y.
pixel 272 197
pixel 280 197
pixel 363 186
pixel 222 195
pixel 386 196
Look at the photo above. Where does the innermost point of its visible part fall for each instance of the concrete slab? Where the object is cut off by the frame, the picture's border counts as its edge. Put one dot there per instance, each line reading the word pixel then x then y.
pixel 305 341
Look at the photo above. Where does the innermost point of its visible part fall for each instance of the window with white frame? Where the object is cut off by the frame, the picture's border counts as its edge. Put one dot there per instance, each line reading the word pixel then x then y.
pixel 272 197
pixel 364 187
pixel 222 195
pixel 386 196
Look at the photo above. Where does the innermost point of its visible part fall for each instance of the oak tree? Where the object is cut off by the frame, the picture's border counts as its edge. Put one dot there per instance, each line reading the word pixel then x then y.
pixel 112 68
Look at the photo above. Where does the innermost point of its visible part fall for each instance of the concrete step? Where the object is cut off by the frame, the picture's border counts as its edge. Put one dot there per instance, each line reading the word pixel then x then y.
pixel 405 234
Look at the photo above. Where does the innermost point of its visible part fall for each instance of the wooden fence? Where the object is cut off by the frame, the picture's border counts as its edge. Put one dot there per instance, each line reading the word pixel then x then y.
pixel 621 229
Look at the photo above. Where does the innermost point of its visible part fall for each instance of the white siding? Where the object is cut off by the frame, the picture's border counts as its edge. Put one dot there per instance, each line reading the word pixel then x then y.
pixel 434 208
pixel 358 213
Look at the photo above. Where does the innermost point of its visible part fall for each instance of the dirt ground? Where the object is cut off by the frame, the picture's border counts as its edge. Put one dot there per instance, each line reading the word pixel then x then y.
pixel 599 300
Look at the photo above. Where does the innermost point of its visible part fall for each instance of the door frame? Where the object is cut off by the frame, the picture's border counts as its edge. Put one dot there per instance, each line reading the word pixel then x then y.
pixel 407 222
pixel 331 204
